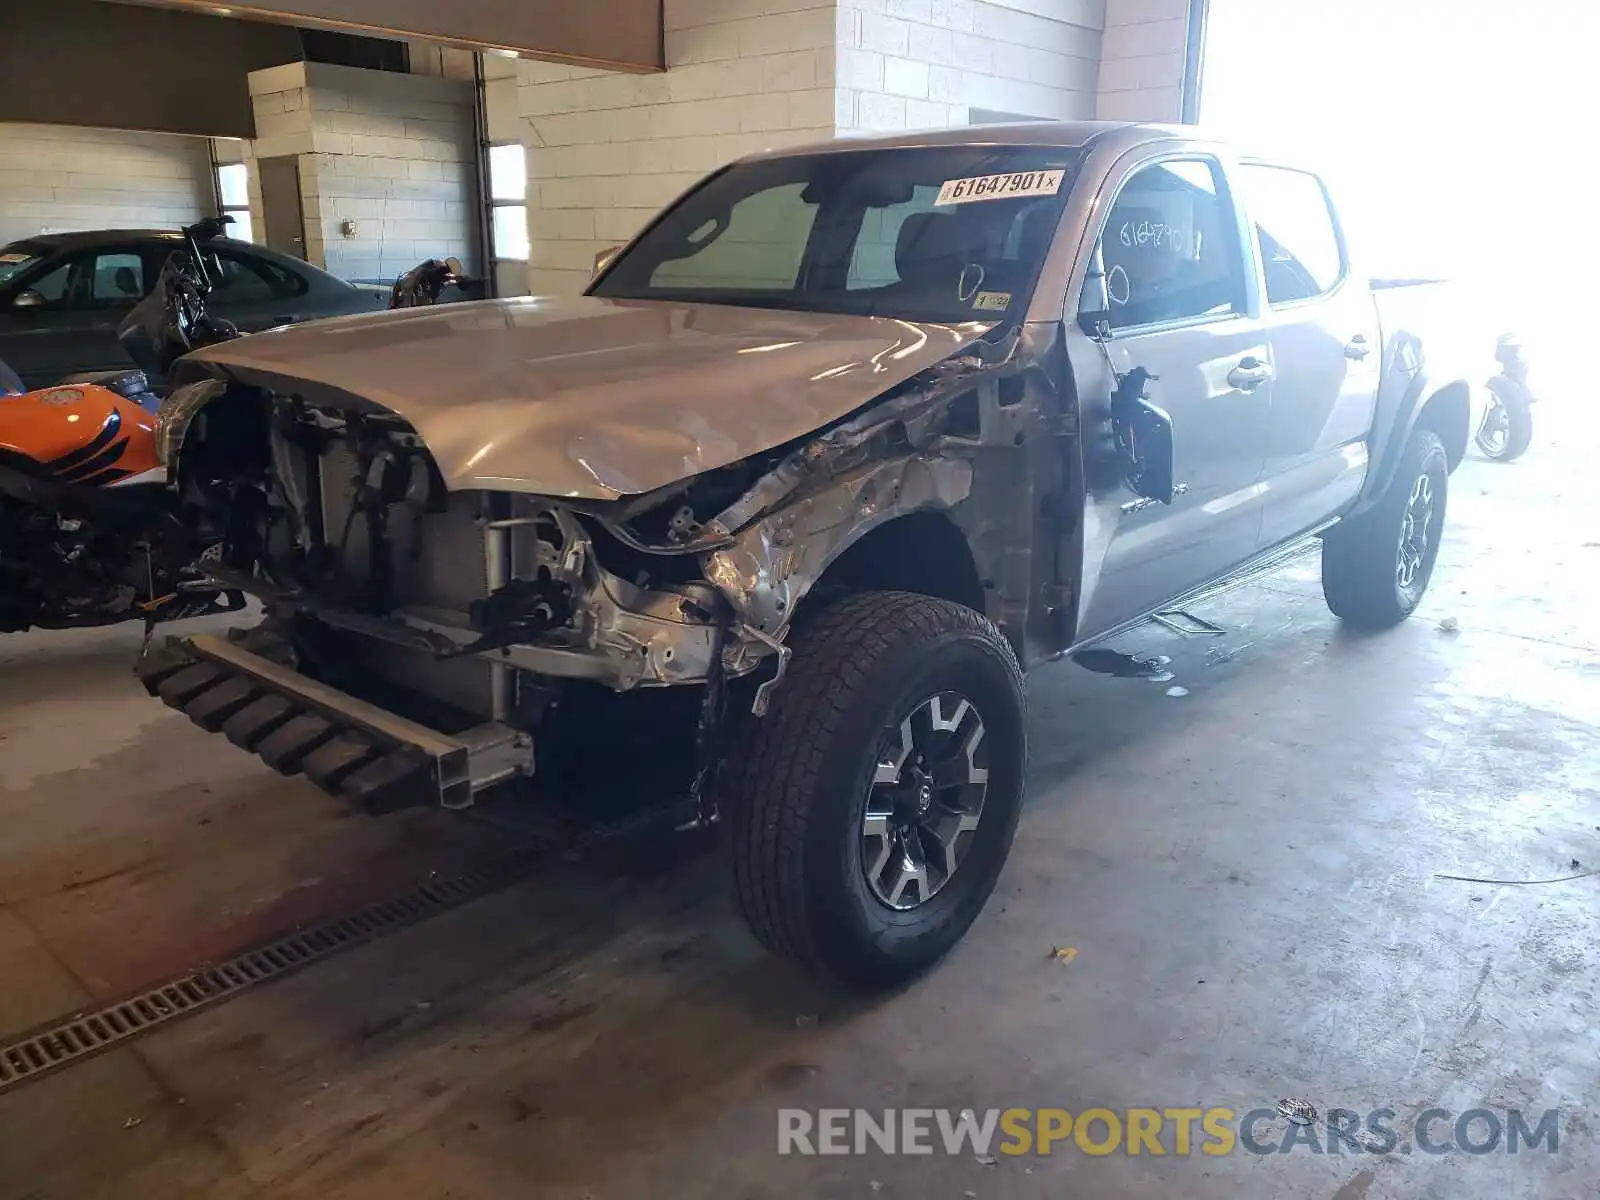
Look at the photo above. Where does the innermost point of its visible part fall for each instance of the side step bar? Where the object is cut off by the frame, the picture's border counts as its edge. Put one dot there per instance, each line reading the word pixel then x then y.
pixel 344 745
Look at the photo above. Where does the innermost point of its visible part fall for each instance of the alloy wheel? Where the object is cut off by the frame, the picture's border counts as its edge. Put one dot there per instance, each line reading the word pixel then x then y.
pixel 925 800
pixel 1416 530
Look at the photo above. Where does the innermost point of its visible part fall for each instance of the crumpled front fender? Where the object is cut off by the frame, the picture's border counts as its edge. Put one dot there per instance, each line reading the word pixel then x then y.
pixel 771 565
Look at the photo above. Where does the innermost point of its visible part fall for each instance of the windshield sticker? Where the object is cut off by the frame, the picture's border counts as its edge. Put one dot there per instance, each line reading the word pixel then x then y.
pixel 7 260
pixel 992 301
pixel 1000 187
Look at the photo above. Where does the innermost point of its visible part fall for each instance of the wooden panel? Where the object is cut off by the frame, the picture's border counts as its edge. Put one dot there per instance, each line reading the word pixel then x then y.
pixel 625 34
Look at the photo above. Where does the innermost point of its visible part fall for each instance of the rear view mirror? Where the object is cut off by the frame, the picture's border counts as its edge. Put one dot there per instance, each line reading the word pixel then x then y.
pixel 28 299
pixel 453 265
pixel 1144 438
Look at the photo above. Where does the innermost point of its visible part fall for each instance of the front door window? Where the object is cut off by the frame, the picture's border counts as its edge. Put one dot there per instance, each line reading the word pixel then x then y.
pixel 1169 251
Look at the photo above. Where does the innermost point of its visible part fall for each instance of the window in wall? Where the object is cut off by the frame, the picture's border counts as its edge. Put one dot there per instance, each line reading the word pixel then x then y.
pixel 1299 244
pixel 508 201
pixel 233 190
pixel 1169 251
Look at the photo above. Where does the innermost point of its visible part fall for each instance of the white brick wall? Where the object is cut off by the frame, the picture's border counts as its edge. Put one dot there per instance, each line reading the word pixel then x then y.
pixel 607 150
pixel 917 64
pixel 1141 69
pixel 392 152
pixel 62 178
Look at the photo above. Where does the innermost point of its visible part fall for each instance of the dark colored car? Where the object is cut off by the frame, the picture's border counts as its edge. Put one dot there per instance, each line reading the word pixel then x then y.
pixel 62 296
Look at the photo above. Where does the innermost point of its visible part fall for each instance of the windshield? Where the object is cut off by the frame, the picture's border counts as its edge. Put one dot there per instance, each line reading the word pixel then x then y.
pixel 932 234
pixel 14 262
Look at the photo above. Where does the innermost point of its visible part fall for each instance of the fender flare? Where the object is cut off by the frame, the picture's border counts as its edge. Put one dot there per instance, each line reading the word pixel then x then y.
pixel 1390 436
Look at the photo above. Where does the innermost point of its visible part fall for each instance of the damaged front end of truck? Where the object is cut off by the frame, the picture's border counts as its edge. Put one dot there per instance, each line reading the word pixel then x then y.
pixel 428 635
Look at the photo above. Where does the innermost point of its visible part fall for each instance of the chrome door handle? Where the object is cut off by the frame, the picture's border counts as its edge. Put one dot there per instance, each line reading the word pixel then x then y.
pixel 1356 348
pixel 1250 374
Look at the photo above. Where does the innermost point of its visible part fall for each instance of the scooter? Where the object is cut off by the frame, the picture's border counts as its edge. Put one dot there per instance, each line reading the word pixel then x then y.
pixel 1507 427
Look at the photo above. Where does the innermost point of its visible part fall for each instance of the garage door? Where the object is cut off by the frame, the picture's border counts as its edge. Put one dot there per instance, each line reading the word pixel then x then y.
pixel 57 178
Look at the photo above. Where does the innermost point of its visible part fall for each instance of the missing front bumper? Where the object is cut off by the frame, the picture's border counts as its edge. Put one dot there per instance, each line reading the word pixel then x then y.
pixel 344 745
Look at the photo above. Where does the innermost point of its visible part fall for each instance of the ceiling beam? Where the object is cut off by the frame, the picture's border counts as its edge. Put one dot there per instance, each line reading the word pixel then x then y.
pixel 621 34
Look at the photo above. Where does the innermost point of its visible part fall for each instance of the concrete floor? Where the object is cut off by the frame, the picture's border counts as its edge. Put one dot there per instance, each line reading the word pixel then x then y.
pixel 1249 874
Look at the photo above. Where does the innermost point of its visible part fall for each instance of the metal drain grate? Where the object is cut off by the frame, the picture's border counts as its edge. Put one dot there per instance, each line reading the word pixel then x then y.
pixel 78 1037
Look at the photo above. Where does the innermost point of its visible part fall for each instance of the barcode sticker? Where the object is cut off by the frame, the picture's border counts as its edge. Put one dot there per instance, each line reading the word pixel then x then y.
pixel 1000 187
pixel 992 301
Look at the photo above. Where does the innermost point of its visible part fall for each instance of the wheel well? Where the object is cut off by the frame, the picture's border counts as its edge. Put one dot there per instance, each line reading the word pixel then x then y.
pixel 921 552
pixel 1447 413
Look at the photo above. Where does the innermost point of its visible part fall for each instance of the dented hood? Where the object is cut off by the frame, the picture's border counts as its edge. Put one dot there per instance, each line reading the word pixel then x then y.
pixel 588 397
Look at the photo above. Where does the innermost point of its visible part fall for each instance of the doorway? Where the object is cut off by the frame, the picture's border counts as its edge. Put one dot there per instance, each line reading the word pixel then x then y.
pixel 281 211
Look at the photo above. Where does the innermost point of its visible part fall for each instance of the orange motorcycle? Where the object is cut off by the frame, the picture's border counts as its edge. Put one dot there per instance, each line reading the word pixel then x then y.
pixel 90 534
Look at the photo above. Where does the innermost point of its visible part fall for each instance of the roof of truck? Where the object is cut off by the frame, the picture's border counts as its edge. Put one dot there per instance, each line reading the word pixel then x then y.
pixel 1025 133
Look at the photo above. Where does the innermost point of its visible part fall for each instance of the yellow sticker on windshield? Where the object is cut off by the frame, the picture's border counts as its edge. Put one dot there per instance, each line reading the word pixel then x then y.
pixel 992 301
pixel 1010 186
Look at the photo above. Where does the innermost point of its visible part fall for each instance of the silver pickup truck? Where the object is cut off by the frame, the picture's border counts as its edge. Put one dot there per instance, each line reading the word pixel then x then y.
pixel 772 518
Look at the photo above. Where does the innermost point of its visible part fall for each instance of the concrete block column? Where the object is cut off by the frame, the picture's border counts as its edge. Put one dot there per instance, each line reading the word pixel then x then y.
pixel 391 154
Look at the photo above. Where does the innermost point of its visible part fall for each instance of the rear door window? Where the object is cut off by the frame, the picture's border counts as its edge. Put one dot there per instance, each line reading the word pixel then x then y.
pixel 1300 249
pixel 116 279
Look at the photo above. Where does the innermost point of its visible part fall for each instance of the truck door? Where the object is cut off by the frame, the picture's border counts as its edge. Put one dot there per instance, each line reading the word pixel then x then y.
pixel 1322 327
pixel 1172 284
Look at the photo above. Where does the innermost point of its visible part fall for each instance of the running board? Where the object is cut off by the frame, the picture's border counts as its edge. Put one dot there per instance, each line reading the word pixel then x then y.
pixel 344 745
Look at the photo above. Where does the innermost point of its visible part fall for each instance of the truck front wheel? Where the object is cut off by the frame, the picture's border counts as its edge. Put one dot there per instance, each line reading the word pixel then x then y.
pixel 1376 566
pixel 870 811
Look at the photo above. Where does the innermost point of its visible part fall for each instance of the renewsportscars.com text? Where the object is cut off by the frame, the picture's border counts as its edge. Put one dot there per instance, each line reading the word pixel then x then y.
pixel 1163 1131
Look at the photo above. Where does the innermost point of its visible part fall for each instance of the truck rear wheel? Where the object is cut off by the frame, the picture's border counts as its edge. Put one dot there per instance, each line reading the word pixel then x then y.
pixel 870 811
pixel 1376 566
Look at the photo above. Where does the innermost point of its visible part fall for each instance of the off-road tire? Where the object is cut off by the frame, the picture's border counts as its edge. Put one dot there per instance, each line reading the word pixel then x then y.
pixel 1360 556
pixel 1519 431
pixel 794 790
